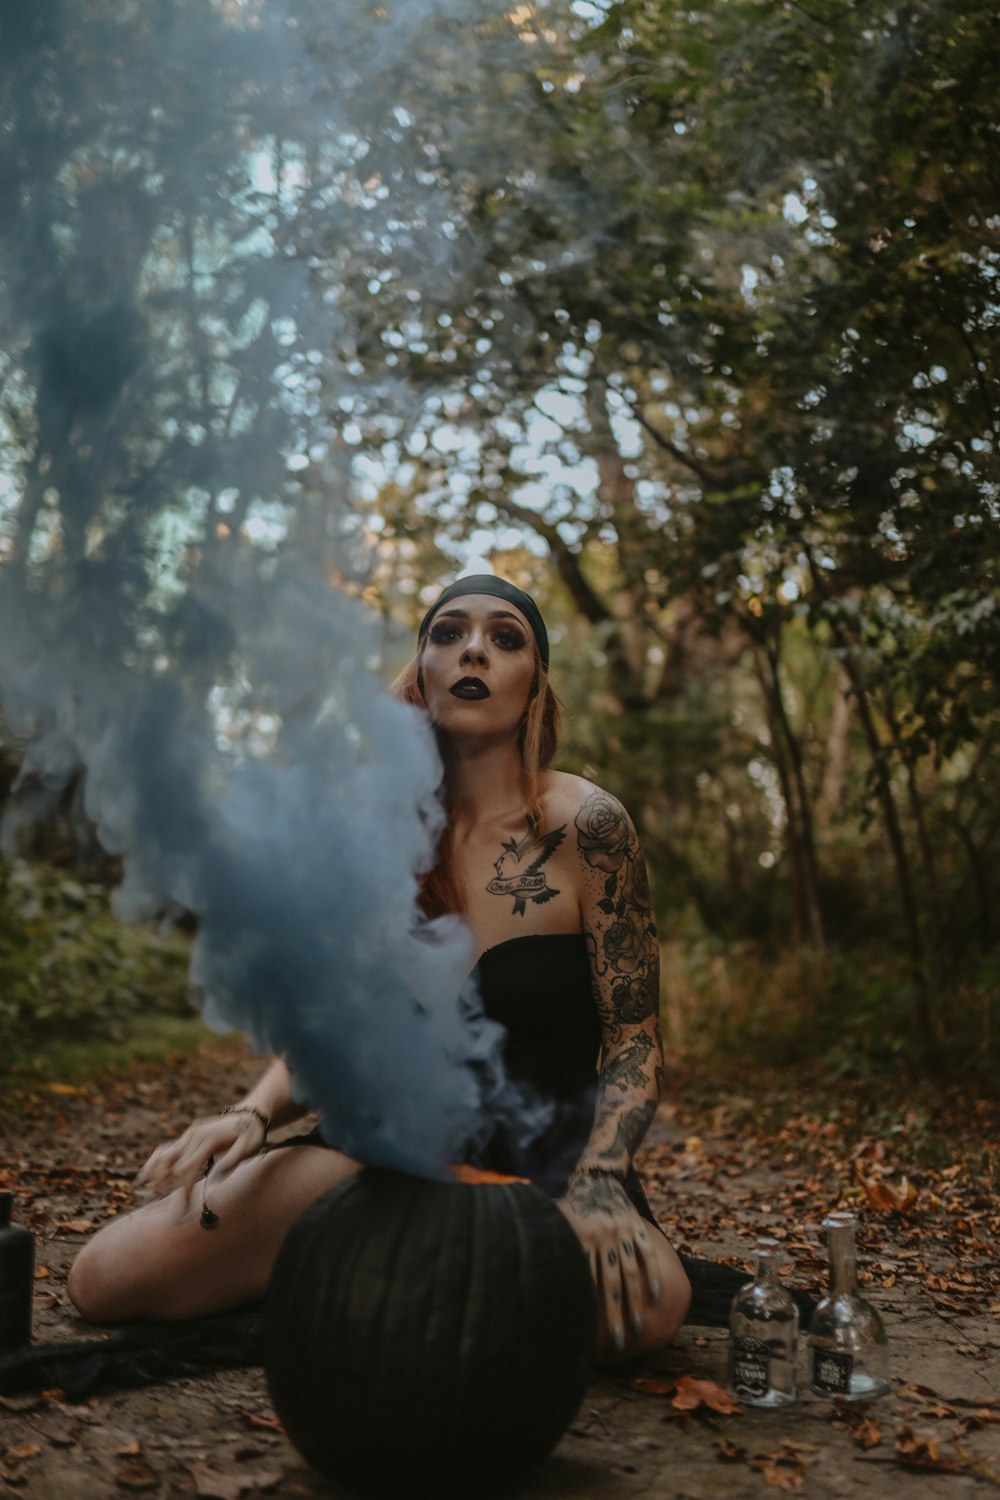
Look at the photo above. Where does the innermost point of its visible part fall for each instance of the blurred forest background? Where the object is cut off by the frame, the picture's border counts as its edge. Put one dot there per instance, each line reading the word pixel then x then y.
pixel 685 320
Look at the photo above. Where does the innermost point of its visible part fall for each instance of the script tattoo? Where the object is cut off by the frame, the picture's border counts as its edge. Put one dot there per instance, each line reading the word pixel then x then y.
pixel 525 881
pixel 625 978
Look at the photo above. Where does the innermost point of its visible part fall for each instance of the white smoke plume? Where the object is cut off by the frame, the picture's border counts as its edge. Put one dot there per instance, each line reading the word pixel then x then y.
pixel 182 184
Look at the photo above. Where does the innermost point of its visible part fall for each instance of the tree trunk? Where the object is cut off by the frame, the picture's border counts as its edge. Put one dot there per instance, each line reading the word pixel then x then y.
pixel 788 761
pixel 834 771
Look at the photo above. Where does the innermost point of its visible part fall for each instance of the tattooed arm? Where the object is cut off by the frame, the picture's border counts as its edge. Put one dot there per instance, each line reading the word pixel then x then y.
pixel 627 1261
pixel 625 975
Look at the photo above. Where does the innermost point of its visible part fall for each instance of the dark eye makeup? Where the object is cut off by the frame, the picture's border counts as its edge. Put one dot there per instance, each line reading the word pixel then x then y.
pixel 507 637
pixel 442 634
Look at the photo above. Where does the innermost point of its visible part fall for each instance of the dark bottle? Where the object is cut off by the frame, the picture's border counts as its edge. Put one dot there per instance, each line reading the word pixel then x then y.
pixel 17 1279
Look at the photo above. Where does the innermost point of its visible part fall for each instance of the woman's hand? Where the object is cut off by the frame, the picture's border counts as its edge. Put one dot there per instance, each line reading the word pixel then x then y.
pixel 619 1245
pixel 229 1139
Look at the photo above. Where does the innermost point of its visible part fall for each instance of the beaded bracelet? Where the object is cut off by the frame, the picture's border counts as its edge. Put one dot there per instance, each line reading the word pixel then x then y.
pixel 250 1109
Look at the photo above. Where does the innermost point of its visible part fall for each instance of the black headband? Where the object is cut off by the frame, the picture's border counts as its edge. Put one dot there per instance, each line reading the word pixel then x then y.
pixel 499 588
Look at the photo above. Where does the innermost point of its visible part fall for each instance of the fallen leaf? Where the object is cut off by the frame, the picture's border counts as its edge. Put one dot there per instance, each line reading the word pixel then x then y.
pixel 914 1451
pixel 730 1453
pixel 939 1410
pixel 783 1469
pixel 21 1453
pixel 27 1402
pixel 692 1394
pixel 41 1272
pixel 896 1198
pixel 130 1450
pixel 981 1418
pixel 66 1436
pixel 136 1474
pixel 212 1484
pixel 652 1385
pixel 853 1420
pixel 75 1226
pixel 259 1419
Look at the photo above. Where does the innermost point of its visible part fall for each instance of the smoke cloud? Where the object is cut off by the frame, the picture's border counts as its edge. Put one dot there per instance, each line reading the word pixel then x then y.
pixel 186 191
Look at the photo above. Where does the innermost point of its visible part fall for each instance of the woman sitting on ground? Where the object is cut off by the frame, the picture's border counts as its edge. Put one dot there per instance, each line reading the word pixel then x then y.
pixel 547 872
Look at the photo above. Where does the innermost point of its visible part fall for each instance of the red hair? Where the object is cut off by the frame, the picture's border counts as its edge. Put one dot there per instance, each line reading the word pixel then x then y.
pixel 441 888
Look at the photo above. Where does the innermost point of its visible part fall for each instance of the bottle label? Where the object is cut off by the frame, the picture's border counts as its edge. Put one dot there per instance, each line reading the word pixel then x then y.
pixel 751 1367
pixel 832 1371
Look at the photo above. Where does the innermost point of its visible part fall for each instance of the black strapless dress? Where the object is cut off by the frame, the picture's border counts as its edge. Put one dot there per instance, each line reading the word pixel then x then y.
pixel 538 987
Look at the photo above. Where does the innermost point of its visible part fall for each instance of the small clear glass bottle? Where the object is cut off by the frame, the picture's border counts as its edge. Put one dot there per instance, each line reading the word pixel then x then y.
pixel 848 1348
pixel 764 1328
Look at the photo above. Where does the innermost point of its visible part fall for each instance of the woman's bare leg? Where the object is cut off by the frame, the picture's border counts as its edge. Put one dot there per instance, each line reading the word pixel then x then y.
pixel 160 1262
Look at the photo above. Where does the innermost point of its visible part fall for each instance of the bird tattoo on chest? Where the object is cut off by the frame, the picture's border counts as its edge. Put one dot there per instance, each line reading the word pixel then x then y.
pixel 519 868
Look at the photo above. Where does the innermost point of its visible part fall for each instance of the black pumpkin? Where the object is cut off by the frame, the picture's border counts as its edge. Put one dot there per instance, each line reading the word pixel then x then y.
pixel 428 1337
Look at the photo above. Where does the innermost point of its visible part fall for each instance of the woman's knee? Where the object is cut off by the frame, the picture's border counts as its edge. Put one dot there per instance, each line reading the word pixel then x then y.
pixel 94 1290
pixel 661 1320
pixel 671 1308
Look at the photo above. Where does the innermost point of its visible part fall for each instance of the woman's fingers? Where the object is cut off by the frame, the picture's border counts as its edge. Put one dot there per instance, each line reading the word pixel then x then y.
pixel 633 1282
pixel 247 1143
pixel 645 1250
pixel 610 1289
pixel 158 1161
pixel 180 1163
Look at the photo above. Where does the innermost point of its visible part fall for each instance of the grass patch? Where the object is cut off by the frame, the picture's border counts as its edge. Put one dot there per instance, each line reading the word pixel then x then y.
pixel 76 1066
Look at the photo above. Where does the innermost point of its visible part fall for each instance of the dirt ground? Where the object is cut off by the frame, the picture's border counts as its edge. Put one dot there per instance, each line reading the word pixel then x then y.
pixel 751 1162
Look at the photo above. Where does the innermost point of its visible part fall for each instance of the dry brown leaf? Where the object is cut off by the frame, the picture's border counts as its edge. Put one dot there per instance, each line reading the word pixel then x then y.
pixel 861 1428
pixel 692 1394
pixel 66 1436
pixel 212 1484
pixel 730 1452
pixel 41 1272
pixel 75 1226
pixel 980 1418
pixel 260 1419
pixel 22 1453
pixel 867 1433
pixel 894 1198
pixel 136 1474
pixel 27 1402
pixel 915 1451
pixel 939 1410
pixel 783 1469
pixel 652 1385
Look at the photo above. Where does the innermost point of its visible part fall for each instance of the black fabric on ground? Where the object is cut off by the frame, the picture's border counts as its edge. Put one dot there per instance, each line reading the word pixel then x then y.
pixel 139 1355
pixel 148 1353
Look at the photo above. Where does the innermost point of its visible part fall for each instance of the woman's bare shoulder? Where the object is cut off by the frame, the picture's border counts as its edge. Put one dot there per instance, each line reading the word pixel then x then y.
pixel 565 797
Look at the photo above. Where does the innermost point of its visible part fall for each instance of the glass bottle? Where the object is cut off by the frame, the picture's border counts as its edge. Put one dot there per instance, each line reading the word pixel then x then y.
pixel 17 1279
pixel 764 1327
pixel 848 1348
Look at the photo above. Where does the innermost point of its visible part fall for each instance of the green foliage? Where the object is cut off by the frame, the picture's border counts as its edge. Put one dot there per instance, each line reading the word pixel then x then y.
pixel 688 313
pixel 844 1012
pixel 71 973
